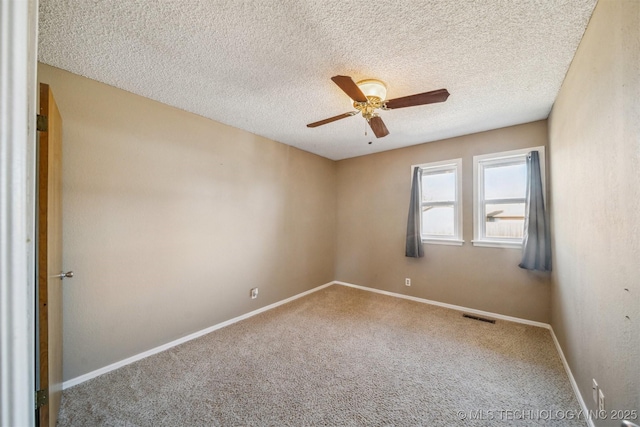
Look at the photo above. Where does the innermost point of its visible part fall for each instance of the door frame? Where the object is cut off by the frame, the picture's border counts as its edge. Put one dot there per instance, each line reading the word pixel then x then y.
pixel 18 47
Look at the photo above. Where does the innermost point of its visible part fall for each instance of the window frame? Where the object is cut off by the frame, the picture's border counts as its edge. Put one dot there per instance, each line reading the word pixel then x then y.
pixel 504 158
pixel 454 165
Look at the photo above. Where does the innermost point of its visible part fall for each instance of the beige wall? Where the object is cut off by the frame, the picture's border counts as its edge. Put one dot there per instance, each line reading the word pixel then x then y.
pixel 170 219
pixel 594 133
pixel 373 202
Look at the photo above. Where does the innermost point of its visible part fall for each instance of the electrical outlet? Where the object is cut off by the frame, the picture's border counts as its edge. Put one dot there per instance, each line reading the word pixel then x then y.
pixel 600 400
pixel 254 293
pixel 407 282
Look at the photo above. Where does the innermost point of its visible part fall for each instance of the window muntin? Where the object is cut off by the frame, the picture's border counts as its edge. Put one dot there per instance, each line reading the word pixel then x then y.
pixel 499 197
pixel 441 208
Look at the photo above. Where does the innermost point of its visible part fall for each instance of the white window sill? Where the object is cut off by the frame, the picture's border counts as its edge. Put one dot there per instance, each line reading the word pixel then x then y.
pixel 497 244
pixel 450 242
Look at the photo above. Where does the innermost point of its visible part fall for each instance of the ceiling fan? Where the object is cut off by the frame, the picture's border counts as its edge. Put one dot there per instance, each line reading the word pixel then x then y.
pixel 369 96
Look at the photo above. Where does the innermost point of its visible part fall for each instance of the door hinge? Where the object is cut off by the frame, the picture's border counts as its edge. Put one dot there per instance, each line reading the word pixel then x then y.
pixel 42 398
pixel 42 123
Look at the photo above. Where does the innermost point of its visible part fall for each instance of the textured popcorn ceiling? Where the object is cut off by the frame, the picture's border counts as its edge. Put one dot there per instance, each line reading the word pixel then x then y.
pixel 265 66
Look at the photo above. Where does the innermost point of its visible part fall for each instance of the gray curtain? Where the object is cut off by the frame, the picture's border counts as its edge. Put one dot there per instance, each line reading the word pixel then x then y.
pixel 536 249
pixel 414 241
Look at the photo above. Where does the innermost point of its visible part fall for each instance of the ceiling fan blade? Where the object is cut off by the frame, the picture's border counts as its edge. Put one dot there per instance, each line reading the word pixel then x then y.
pixel 378 127
pixel 332 119
pixel 350 87
pixel 432 97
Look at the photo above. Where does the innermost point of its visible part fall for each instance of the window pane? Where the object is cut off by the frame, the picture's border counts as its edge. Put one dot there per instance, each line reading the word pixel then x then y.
pixel 504 182
pixel 439 187
pixel 505 220
pixel 437 221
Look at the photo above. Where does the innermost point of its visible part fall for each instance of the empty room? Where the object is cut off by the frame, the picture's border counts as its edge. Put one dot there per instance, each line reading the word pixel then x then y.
pixel 337 213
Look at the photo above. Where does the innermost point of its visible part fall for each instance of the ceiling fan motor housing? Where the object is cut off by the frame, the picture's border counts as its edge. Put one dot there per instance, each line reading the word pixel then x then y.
pixel 368 108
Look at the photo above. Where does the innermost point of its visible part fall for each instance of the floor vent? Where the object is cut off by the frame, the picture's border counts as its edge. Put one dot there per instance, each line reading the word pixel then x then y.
pixel 482 319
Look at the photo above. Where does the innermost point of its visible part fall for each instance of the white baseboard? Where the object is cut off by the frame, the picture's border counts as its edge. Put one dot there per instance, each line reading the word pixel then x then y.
pixel 82 378
pixel 451 306
pixel 114 366
pixel 572 380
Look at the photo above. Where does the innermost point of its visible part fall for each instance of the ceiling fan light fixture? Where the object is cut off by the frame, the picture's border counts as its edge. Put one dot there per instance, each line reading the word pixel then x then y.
pixel 373 88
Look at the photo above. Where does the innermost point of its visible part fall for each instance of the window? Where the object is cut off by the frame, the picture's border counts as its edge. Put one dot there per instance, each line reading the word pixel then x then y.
pixel 500 183
pixel 441 218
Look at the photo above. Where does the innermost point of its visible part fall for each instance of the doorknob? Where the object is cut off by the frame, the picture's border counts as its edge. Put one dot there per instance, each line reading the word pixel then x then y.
pixel 62 275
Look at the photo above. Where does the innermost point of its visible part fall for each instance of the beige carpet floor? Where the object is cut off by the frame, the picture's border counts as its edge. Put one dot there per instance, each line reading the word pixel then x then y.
pixel 340 357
